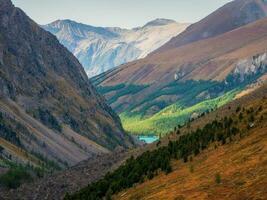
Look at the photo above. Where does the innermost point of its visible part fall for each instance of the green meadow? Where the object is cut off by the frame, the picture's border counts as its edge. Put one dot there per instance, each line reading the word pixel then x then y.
pixel 171 116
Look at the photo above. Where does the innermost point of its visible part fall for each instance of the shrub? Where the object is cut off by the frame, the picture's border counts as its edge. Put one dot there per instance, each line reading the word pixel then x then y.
pixel 47 118
pixel 238 109
pixel 191 168
pixel 240 117
pixel 14 177
pixel 218 178
pixel 1 149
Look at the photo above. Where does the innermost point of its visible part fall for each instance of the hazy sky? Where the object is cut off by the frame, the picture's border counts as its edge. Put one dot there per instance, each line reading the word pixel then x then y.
pixel 122 13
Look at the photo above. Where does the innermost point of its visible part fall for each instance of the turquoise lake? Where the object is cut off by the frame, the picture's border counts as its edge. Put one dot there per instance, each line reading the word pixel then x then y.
pixel 148 139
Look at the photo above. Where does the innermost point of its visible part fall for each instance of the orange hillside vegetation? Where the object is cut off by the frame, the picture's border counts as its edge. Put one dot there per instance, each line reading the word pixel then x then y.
pixel 242 167
pixel 237 170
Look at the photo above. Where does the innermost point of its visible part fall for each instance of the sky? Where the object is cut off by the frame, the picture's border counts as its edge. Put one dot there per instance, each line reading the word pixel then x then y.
pixel 118 13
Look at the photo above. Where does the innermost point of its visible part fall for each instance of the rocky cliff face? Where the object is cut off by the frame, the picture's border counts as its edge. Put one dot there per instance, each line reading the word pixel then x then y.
pixel 45 91
pixel 100 49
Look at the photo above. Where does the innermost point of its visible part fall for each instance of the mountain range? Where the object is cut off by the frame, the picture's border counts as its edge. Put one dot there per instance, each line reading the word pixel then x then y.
pixel 203 93
pixel 193 72
pixel 102 48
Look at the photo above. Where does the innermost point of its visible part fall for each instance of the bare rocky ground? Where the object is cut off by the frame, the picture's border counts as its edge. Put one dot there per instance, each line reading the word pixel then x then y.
pixel 55 186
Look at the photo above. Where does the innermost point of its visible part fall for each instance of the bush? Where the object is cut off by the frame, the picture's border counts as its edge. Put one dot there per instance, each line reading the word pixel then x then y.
pixel 238 109
pixel 47 118
pixel 14 177
pixel 8 133
pixel 218 178
pixel 191 169
pixel 1 149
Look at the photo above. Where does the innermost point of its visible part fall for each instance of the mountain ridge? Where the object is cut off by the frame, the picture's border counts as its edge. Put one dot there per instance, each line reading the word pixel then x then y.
pixel 221 21
pixel 102 48
pixel 48 107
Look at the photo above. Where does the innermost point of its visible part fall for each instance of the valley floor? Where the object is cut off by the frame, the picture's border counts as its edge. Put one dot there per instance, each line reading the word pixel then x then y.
pixel 241 166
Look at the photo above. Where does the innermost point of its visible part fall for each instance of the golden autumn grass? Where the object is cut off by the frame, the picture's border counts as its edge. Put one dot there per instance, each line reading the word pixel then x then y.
pixel 241 165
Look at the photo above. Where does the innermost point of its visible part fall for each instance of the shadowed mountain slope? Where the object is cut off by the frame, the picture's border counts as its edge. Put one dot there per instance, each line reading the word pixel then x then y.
pixel 48 106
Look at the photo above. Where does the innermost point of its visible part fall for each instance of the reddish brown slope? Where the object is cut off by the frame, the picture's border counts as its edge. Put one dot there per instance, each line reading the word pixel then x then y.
pixel 220 53
pixel 210 59
pixel 229 17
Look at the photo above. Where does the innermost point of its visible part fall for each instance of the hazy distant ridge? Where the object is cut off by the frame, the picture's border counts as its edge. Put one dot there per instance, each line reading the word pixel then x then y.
pixel 100 49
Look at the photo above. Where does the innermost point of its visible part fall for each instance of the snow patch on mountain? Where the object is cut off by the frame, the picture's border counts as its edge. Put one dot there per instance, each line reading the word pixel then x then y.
pixel 102 48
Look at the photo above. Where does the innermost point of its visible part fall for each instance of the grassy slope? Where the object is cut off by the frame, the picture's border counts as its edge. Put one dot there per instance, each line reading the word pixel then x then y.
pixel 171 116
pixel 159 112
pixel 240 163
pixel 242 167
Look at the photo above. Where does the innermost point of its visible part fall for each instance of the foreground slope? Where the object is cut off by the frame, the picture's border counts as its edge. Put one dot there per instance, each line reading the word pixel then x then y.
pixel 221 155
pixel 48 108
pixel 171 81
pixel 71 180
pixel 242 167
pixel 102 48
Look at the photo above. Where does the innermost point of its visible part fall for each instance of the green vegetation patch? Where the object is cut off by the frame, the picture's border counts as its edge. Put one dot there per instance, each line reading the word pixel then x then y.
pixel 188 91
pixel 171 116
pixel 7 131
pixel 15 176
pixel 47 118
pixel 107 89
pixel 120 90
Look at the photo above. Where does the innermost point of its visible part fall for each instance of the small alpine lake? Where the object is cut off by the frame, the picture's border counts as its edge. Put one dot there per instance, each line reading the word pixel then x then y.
pixel 148 138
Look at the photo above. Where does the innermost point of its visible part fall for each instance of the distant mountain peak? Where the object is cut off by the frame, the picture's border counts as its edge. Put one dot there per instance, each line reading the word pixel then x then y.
pixel 102 48
pixel 66 22
pixel 159 22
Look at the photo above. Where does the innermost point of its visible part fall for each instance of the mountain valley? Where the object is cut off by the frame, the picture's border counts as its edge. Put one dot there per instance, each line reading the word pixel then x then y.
pixel 169 110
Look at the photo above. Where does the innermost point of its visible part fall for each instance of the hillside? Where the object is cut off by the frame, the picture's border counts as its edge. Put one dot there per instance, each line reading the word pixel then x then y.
pixel 102 48
pixel 240 166
pixel 180 83
pixel 51 116
pixel 219 155
pixel 55 186
pixel 235 14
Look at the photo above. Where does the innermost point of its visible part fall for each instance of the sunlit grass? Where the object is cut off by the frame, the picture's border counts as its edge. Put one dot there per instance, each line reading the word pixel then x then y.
pixel 173 115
